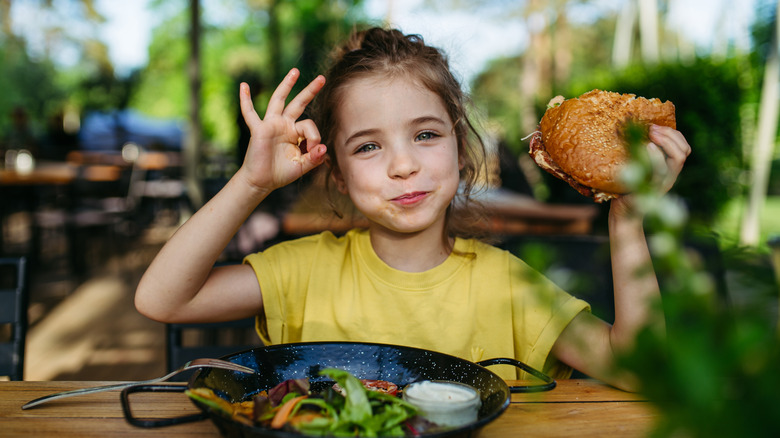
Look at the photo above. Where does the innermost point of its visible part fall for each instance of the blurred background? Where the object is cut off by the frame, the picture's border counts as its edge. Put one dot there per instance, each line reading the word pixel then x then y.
pixel 119 119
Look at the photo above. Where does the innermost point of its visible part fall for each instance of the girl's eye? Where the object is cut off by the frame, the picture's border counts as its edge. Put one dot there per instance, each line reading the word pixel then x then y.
pixel 425 136
pixel 367 148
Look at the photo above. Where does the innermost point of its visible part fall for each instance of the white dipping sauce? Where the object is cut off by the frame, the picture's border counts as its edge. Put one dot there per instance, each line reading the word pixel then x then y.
pixel 439 392
pixel 444 403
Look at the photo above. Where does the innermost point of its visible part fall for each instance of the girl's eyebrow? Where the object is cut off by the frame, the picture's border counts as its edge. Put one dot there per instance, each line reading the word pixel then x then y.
pixel 361 133
pixel 427 119
pixel 414 122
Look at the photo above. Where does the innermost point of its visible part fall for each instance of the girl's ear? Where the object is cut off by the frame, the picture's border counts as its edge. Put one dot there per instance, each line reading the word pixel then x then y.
pixel 336 176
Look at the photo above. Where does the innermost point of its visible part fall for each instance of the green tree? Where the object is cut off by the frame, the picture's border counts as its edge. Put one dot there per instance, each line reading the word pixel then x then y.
pixel 275 36
pixel 36 82
pixel 26 83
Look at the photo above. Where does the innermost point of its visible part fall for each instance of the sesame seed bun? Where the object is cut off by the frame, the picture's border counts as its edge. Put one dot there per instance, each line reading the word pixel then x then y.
pixel 581 140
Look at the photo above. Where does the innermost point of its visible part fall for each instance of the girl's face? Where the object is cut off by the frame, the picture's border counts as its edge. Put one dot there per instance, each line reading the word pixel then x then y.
pixel 397 154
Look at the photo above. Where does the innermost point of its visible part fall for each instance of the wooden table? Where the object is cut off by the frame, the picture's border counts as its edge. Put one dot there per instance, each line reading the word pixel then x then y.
pixel 42 174
pixel 26 190
pixel 581 408
pixel 513 213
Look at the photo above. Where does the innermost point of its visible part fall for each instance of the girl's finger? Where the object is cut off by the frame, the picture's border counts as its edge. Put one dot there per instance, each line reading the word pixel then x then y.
pixel 279 97
pixel 247 106
pixel 299 102
pixel 313 158
pixel 657 157
pixel 671 141
pixel 308 130
pixel 670 144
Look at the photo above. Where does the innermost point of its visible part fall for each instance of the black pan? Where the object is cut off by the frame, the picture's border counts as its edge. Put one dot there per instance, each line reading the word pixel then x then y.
pixel 397 364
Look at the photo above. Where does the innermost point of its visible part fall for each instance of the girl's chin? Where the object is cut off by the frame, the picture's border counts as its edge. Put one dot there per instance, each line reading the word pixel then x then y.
pixel 410 227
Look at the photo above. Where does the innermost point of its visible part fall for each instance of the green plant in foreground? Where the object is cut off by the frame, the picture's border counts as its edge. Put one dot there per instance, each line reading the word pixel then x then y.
pixel 716 372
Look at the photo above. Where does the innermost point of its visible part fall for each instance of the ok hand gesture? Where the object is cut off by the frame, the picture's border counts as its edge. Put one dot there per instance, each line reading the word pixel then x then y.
pixel 274 158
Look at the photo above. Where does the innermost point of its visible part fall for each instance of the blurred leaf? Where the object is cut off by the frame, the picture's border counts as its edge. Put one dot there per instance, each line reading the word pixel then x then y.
pixel 711 373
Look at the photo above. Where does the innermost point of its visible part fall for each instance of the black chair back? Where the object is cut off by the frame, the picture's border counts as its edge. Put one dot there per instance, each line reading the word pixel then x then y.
pixel 580 264
pixel 13 316
pixel 186 342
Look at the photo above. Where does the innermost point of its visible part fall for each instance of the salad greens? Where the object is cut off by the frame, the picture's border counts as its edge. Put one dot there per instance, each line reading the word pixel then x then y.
pixel 347 408
pixel 364 413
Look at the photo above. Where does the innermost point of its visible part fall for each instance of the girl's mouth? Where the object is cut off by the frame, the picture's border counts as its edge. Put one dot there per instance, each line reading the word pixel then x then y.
pixel 410 198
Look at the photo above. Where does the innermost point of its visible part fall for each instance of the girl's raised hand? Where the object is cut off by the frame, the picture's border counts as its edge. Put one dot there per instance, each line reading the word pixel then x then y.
pixel 668 150
pixel 274 158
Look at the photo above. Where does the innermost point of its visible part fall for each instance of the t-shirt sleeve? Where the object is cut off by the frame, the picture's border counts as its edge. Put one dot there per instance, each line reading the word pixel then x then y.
pixel 542 311
pixel 267 276
pixel 282 271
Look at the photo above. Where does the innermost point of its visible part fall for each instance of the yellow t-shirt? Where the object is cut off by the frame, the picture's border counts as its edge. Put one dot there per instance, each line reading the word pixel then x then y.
pixel 480 303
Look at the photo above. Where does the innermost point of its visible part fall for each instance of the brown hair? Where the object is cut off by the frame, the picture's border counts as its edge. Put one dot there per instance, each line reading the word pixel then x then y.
pixel 389 52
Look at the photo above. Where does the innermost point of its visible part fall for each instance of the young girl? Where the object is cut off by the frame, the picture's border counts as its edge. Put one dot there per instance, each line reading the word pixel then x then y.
pixel 390 124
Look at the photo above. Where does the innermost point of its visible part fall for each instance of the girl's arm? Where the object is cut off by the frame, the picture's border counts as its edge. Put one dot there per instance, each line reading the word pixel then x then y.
pixel 590 344
pixel 180 284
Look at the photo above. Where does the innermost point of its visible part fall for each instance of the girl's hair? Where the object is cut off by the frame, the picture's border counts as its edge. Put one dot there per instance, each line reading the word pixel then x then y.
pixel 388 52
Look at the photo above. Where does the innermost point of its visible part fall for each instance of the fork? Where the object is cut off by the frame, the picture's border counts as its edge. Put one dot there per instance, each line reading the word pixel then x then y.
pixel 195 363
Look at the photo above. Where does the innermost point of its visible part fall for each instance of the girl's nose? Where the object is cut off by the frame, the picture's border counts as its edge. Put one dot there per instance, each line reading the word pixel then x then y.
pixel 403 163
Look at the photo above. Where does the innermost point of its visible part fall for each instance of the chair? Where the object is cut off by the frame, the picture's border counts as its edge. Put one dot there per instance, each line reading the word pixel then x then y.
pixel 101 213
pixel 580 264
pixel 185 342
pixel 13 316
pixel 163 192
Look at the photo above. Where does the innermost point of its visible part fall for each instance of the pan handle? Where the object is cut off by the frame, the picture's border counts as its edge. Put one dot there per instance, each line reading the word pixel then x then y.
pixel 155 422
pixel 549 382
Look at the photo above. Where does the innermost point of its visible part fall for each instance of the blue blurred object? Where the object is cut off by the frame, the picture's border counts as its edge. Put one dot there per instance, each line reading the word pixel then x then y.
pixel 104 131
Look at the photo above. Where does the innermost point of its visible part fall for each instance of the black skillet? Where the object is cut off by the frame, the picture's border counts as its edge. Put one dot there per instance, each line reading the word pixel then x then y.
pixel 397 364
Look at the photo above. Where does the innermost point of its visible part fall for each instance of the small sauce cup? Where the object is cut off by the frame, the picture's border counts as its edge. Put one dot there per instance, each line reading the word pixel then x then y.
pixel 446 403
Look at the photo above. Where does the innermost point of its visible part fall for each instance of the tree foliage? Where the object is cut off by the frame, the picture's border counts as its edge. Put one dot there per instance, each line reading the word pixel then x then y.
pixel 273 37
pixel 32 80
pixel 26 83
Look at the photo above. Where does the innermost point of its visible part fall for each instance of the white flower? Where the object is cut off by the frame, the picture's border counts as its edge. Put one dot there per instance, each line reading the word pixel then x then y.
pixel 632 174
pixel 663 244
pixel 672 211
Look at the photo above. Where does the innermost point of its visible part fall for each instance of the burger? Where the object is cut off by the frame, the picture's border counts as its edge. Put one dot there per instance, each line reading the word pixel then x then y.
pixel 583 140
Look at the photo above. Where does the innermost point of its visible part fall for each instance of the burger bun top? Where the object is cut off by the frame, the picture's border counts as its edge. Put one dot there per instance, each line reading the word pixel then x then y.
pixel 585 136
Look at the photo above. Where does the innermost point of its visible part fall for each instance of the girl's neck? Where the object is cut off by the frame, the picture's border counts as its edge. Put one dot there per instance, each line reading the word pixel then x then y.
pixel 410 252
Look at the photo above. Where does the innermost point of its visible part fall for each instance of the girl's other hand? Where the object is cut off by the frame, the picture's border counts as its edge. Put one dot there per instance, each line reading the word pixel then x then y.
pixel 274 157
pixel 668 151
